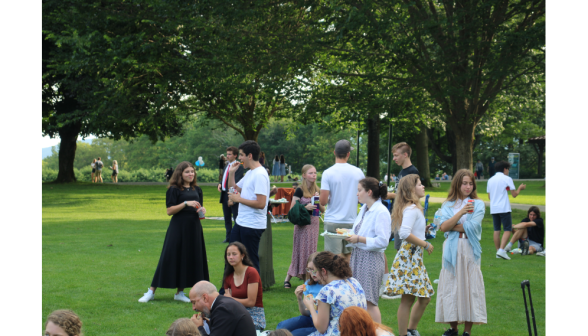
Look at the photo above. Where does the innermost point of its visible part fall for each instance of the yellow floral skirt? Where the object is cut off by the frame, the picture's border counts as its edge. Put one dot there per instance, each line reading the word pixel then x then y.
pixel 408 274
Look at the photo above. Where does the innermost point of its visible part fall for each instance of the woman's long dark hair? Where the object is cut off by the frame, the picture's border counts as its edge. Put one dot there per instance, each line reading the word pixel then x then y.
pixel 230 269
pixel 177 181
pixel 282 160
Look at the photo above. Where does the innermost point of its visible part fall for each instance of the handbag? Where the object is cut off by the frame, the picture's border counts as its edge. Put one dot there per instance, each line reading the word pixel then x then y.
pixel 298 215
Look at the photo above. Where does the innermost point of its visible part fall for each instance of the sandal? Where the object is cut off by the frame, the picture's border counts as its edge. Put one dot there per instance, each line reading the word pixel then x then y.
pixel 287 284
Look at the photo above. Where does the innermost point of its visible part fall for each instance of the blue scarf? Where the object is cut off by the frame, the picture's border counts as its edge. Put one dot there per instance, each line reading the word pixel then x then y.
pixel 472 228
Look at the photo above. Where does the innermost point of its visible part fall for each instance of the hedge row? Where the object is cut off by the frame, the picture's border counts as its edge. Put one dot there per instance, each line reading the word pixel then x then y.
pixel 140 175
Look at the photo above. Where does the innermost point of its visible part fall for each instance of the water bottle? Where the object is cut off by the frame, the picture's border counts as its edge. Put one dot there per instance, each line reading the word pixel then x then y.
pixel 437 219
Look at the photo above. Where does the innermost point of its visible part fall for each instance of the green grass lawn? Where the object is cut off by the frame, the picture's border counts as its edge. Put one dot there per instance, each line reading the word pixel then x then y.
pixel 101 244
pixel 534 194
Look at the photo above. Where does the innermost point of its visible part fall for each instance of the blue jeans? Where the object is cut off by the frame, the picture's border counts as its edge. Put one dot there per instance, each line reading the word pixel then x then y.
pixel 298 326
pixel 250 238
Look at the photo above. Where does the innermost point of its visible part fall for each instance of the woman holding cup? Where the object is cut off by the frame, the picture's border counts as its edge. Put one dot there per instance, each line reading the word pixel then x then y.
pixel 460 295
pixel 305 237
pixel 183 258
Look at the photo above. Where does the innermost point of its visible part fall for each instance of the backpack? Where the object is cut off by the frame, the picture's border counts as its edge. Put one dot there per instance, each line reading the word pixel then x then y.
pixel 99 164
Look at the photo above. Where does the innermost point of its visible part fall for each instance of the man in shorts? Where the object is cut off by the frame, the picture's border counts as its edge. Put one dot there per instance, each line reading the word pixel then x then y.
pixel 530 233
pixel 498 187
pixel 339 194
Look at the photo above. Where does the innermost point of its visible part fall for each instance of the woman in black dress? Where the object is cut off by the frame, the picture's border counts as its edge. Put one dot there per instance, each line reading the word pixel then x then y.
pixel 183 257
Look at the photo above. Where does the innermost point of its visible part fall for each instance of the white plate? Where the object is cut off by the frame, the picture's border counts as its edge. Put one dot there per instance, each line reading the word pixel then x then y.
pixel 334 235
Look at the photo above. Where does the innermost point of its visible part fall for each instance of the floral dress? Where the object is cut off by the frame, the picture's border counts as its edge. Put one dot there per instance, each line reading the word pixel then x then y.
pixel 340 294
pixel 305 243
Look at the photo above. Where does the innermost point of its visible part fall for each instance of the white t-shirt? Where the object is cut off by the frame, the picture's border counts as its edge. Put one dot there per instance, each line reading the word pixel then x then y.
pixel 341 181
pixel 255 182
pixel 498 188
pixel 413 221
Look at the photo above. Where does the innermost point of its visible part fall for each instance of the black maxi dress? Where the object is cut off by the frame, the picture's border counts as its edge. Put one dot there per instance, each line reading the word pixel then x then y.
pixel 183 257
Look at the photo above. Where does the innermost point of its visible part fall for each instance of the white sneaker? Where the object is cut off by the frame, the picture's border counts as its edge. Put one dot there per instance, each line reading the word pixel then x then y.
pixel 181 297
pixel 502 255
pixel 394 297
pixel 147 297
pixel 541 254
pixel 507 249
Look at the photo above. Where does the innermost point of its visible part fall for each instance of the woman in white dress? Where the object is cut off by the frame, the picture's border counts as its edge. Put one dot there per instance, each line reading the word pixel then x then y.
pixel 461 296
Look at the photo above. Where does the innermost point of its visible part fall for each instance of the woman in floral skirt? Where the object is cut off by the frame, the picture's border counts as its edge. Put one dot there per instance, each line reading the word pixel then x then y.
pixel 305 237
pixel 408 275
pixel 461 295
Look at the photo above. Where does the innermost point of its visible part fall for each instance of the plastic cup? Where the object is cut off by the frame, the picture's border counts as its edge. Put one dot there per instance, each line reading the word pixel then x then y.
pixel 472 203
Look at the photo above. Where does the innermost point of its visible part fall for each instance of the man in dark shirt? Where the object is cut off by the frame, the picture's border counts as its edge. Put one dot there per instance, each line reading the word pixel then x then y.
pixel 491 169
pixel 225 316
pixel 530 233
pixel 401 155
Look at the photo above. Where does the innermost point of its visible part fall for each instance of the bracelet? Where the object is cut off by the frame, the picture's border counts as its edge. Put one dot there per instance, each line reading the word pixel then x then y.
pixel 427 245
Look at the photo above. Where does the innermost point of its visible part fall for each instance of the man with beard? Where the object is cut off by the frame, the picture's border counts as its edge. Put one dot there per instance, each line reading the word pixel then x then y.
pixel 224 315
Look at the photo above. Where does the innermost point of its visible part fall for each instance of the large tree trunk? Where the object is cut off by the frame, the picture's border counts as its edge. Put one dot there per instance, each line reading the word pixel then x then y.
pixel 464 146
pixel 422 151
pixel 67 152
pixel 373 147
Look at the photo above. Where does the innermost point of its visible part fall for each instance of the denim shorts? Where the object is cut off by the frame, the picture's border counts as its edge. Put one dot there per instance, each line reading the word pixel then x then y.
pixel 506 220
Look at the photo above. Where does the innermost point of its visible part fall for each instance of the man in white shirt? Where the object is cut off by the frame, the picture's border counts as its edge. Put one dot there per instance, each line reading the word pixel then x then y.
pixel 223 187
pixel 339 194
pixel 497 189
pixel 252 195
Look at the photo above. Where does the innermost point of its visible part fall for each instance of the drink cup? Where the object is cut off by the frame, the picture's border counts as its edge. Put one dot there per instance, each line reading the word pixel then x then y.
pixel 472 203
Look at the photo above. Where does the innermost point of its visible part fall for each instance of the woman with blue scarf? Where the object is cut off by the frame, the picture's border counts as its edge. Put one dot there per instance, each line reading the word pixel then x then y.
pixel 460 295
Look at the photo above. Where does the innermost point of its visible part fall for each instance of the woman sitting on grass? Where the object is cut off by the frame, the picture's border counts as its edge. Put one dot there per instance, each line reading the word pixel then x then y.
pixel 302 325
pixel 356 321
pixel 460 294
pixel 340 291
pixel 242 282
pixel 530 233
pixel 182 327
pixel 408 275
pixel 63 323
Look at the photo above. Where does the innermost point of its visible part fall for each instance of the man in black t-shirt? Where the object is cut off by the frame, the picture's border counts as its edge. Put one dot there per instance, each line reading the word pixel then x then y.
pixel 401 155
pixel 530 233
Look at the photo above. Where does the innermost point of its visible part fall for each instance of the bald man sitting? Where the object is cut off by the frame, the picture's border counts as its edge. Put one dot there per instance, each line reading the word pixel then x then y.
pixel 224 315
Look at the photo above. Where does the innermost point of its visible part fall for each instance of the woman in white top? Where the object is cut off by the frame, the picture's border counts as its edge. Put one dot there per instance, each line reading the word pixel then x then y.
pixel 93 164
pixel 408 275
pixel 370 237
pixel 114 168
pixel 461 295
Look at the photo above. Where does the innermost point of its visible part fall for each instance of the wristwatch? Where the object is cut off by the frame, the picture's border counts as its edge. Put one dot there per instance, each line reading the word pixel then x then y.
pixel 185 203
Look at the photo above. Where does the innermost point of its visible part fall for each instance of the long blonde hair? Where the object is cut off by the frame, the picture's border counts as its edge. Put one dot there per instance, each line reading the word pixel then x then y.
pixel 455 189
pixel 405 196
pixel 306 192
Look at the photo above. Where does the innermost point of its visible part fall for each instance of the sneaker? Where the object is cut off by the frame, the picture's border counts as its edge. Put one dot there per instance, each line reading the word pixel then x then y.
pixel 541 254
pixel 393 297
pixel 181 297
pixel 516 251
pixel 147 297
pixel 507 249
pixel 502 255
pixel 450 332
pixel 412 332
pixel 465 333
